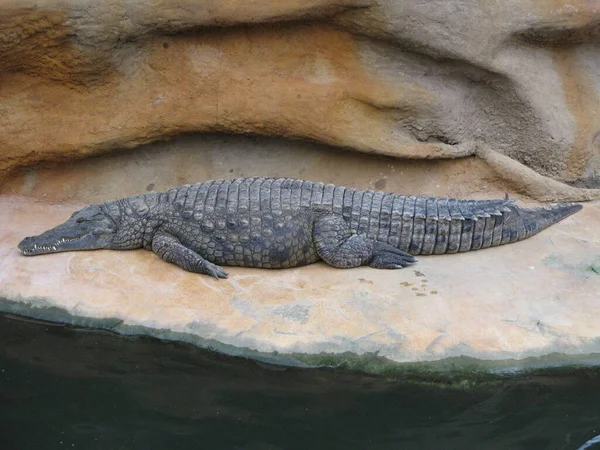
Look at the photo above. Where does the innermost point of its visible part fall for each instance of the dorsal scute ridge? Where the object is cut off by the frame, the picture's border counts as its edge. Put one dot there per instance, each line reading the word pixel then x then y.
pixel 425 207
pixel 454 209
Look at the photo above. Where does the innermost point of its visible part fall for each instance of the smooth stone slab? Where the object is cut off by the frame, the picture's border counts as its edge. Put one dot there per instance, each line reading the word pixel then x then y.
pixel 532 298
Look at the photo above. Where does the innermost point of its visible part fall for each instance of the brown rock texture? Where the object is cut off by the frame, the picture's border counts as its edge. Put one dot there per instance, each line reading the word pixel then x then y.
pixel 436 79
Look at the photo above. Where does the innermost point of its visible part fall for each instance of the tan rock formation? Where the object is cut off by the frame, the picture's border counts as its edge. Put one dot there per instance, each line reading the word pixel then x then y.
pixel 531 298
pixel 416 80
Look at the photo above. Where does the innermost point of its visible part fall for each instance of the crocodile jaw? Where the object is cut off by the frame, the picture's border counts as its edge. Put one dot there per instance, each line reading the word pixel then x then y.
pixel 40 245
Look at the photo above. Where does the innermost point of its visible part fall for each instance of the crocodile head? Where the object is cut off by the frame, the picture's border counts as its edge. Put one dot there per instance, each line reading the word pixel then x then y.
pixel 87 229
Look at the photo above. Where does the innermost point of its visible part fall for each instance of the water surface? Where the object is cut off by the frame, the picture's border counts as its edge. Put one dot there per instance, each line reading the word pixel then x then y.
pixel 63 387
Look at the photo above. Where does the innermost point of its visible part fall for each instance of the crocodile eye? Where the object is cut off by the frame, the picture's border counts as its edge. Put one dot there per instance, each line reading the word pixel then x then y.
pixel 80 220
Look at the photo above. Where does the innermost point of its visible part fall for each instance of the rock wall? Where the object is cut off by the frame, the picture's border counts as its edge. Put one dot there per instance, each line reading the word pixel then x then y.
pixel 514 82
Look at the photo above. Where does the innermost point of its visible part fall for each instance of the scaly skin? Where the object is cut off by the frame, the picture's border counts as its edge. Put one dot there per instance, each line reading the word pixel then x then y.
pixel 280 223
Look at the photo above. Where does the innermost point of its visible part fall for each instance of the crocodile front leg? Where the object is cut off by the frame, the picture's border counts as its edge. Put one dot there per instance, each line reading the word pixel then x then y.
pixel 340 247
pixel 171 250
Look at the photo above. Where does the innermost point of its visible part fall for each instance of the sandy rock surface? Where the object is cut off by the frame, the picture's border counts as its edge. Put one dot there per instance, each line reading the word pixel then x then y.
pixel 531 298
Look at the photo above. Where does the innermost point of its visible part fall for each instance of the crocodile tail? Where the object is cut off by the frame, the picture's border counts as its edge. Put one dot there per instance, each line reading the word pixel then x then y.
pixel 538 219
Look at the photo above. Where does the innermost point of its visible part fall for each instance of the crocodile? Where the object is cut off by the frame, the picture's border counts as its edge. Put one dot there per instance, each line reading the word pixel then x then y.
pixel 284 222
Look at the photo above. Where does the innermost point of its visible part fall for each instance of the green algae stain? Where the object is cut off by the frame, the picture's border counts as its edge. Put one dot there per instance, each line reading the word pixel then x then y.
pixel 554 261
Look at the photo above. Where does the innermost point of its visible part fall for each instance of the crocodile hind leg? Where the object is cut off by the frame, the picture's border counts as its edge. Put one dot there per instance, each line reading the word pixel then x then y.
pixel 339 246
pixel 171 250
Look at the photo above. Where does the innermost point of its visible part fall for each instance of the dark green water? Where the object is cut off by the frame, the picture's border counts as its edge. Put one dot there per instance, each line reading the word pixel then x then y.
pixel 64 388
